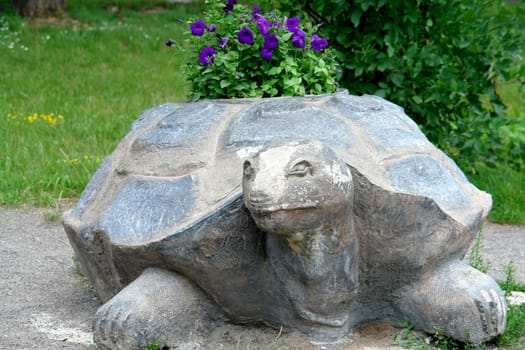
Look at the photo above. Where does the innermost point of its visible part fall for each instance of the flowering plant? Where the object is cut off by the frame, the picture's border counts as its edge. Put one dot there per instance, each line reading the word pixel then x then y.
pixel 243 53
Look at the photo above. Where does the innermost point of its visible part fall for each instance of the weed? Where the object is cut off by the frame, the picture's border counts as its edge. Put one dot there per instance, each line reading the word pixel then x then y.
pixel 514 335
pixel 510 281
pixel 409 340
pixel 475 258
pixel 438 341
pixel 78 271
pixel 155 345
pixel 51 216
pixel 441 341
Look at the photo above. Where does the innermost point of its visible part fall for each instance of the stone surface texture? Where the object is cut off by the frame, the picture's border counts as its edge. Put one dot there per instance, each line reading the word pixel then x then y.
pixel 315 213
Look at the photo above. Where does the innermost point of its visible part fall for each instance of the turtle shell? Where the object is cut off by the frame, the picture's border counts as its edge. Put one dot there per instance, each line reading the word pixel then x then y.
pixel 178 174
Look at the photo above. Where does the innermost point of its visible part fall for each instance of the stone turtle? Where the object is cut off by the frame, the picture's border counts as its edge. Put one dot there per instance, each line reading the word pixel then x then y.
pixel 315 213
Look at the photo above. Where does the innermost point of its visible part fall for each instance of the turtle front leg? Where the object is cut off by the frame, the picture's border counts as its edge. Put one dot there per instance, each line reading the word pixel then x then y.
pixel 158 306
pixel 460 301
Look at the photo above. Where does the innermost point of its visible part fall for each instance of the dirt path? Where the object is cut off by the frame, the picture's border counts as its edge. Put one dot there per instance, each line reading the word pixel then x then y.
pixel 46 304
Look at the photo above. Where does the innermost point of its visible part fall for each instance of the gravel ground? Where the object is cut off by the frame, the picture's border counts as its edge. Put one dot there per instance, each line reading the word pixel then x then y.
pixel 46 304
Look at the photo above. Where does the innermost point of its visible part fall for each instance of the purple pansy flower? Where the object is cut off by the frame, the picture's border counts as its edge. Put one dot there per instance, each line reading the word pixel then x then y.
pixel 271 41
pixel 266 53
pixel 299 39
pixel 318 44
pixel 245 36
pixel 224 41
pixel 263 25
pixel 211 28
pixel 207 56
pixel 292 24
pixel 197 28
pixel 256 10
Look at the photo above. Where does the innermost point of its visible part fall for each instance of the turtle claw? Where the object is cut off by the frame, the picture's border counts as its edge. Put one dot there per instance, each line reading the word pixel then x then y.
pixel 158 306
pixel 456 300
pixel 116 321
pixel 492 310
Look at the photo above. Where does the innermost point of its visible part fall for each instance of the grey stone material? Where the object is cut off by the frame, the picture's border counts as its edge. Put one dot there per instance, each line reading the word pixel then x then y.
pixel 142 310
pixel 315 213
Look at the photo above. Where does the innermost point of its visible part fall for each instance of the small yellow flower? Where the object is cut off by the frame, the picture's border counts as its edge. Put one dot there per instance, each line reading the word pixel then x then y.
pixel 50 118
pixel 32 118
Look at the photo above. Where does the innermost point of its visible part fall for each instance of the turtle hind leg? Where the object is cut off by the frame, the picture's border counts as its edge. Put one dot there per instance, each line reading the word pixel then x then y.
pixel 460 301
pixel 158 306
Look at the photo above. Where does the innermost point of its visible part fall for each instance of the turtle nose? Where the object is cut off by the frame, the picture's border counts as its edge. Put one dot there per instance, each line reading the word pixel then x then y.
pixel 259 201
pixel 258 192
pixel 259 197
pixel 262 193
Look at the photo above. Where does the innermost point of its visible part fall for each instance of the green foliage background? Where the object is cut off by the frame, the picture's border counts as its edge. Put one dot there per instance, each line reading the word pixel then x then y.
pixel 106 62
pixel 442 60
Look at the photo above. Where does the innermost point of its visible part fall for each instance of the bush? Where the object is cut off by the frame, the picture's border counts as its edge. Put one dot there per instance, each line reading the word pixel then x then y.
pixel 439 59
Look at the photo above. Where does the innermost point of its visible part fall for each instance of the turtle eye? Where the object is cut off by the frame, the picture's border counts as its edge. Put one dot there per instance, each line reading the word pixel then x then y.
pixel 301 168
pixel 248 170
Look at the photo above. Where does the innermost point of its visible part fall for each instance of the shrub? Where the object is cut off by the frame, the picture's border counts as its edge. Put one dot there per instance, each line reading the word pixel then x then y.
pixel 439 59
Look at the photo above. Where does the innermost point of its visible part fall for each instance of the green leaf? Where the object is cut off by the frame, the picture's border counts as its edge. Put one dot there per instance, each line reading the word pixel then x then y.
pixel 292 82
pixel 381 93
pixel 365 4
pixel 286 37
pixel 390 51
pixel 355 17
pixel 397 79
pixel 225 83
pixel 275 70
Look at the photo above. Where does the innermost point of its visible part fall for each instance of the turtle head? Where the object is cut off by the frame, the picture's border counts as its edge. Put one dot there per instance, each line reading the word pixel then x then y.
pixel 297 187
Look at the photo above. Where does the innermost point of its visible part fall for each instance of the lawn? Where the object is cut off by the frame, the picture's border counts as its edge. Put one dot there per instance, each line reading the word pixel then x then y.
pixel 71 87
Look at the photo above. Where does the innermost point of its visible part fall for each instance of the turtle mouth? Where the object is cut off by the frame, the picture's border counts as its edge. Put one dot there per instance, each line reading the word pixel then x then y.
pixel 267 210
pixel 263 205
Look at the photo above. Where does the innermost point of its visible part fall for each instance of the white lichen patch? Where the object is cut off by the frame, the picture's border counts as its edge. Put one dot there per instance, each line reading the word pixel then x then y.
pixel 247 152
pixel 56 330
pixel 517 298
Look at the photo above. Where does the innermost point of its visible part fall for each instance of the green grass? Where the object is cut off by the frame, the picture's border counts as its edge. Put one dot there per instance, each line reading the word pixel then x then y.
pixel 508 192
pixel 99 69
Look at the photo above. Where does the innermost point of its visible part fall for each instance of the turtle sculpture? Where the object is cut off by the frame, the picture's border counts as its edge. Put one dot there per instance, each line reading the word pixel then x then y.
pixel 314 213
